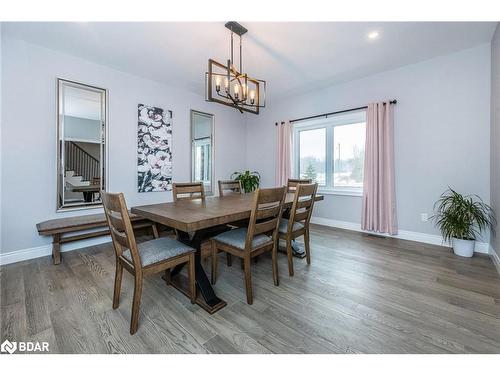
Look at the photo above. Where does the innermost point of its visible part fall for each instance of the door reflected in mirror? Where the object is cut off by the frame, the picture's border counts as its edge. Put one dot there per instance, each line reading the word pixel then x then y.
pixel 202 134
pixel 81 145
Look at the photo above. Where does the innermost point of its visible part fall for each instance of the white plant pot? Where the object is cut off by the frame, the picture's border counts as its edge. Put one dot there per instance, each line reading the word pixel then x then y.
pixel 463 248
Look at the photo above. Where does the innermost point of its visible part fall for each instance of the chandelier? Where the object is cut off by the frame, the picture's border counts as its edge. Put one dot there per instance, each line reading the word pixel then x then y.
pixel 225 84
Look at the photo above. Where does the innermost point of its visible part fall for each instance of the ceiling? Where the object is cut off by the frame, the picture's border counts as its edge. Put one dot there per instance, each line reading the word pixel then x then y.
pixel 291 57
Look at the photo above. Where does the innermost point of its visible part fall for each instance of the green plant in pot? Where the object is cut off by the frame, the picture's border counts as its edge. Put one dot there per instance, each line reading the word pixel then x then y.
pixel 249 180
pixel 461 219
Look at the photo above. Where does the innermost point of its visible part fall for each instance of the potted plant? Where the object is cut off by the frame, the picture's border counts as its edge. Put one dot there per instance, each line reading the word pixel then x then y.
pixel 461 219
pixel 249 180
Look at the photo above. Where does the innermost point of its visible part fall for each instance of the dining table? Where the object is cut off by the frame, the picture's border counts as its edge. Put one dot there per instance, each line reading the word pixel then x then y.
pixel 87 190
pixel 196 221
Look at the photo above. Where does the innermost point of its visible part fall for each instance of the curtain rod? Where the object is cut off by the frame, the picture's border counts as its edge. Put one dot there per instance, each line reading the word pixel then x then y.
pixel 335 113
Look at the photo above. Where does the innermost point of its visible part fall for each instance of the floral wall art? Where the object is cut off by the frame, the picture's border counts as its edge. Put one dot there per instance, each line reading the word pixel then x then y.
pixel 154 149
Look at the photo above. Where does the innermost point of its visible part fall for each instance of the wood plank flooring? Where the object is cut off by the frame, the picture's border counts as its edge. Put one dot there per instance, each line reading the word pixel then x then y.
pixel 361 294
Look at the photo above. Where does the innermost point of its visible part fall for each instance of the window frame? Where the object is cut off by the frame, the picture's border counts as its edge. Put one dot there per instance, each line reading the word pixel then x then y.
pixel 327 123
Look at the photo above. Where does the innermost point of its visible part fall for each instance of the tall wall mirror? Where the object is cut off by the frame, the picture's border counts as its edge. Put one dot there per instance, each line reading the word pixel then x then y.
pixel 202 155
pixel 81 145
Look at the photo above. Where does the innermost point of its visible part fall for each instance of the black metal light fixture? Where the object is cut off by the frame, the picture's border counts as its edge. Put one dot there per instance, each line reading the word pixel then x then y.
pixel 225 84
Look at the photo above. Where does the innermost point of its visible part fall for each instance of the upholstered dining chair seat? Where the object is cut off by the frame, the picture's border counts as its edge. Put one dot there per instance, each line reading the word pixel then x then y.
pixel 284 226
pixel 237 238
pixel 157 250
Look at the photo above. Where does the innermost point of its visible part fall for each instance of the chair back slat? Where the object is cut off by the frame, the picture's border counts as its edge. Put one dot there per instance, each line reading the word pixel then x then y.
pixel 303 203
pixel 116 220
pixel 307 189
pixel 188 191
pixel 293 182
pixel 266 213
pixel 229 187
pixel 301 216
pixel 120 237
pixel 120 226
pixel 265 226
pixel 269 197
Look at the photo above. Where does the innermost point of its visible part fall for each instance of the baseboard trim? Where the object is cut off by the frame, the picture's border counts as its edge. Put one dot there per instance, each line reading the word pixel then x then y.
pixel 495 258
pixel 481 247
pixel 45 250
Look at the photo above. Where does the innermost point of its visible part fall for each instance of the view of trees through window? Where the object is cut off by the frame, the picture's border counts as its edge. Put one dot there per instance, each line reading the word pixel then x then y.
pixel 313 155
pixel 343 156
pixel 349 155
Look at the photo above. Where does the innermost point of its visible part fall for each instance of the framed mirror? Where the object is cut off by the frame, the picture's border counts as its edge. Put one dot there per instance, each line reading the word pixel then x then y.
pixel 202 155
pixel 81 145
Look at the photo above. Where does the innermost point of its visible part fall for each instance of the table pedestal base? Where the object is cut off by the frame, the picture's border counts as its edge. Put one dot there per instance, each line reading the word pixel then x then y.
pixel 180 282
pixel 298 250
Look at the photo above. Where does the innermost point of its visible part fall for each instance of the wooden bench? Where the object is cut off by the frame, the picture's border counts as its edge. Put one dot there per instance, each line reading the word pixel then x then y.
pixel 57 227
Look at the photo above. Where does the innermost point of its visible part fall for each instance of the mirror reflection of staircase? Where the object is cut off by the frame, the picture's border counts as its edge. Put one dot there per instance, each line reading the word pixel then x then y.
pixel 81 177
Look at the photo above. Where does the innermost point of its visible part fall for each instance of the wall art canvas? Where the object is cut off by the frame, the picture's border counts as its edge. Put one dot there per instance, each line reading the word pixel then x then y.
pixel 154 149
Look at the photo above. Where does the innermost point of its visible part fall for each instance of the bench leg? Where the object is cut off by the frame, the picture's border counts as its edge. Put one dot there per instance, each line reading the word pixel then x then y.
pixel 56 249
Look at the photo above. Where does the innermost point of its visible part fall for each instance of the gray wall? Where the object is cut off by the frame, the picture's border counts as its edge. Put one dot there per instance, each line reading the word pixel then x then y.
pixel 28 148
pixel 495 134
pixel 442 132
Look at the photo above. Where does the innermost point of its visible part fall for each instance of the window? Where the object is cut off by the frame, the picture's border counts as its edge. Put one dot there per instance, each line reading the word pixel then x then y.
pixel 331 152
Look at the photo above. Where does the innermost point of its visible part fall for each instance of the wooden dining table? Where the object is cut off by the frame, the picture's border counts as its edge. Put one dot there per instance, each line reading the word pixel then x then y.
pixel 87 190
pixel 196 221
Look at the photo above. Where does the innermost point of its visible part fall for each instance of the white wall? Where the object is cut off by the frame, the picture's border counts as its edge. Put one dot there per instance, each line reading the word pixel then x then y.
pixel 28 148
pixel 495 141
pixel 1 28
pixel 442 123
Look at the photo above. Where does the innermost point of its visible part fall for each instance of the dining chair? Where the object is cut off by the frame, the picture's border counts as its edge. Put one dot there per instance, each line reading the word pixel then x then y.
pixel 188 191
pixel 293 182
pixel 229 187
pixel 183 191
pixel 141 259
pixel 291 186
pixel 297 224
pixel 260 236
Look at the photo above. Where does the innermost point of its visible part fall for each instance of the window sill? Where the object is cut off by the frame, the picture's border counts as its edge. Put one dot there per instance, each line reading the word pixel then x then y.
pixel 351 193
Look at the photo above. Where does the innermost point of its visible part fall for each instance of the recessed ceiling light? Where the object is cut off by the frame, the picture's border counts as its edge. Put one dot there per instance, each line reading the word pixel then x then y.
pixel 373 35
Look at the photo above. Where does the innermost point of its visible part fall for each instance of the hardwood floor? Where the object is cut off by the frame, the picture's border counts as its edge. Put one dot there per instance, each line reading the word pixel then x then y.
pixel 361 294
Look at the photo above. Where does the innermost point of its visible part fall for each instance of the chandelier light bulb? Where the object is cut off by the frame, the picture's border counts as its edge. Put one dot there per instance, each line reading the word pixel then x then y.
pixel 217 83
pixel 252 96
pixel 236 91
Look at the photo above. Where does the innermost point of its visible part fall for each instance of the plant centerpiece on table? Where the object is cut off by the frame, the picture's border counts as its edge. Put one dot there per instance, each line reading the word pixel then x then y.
pixel 461 219
pixel 249 180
